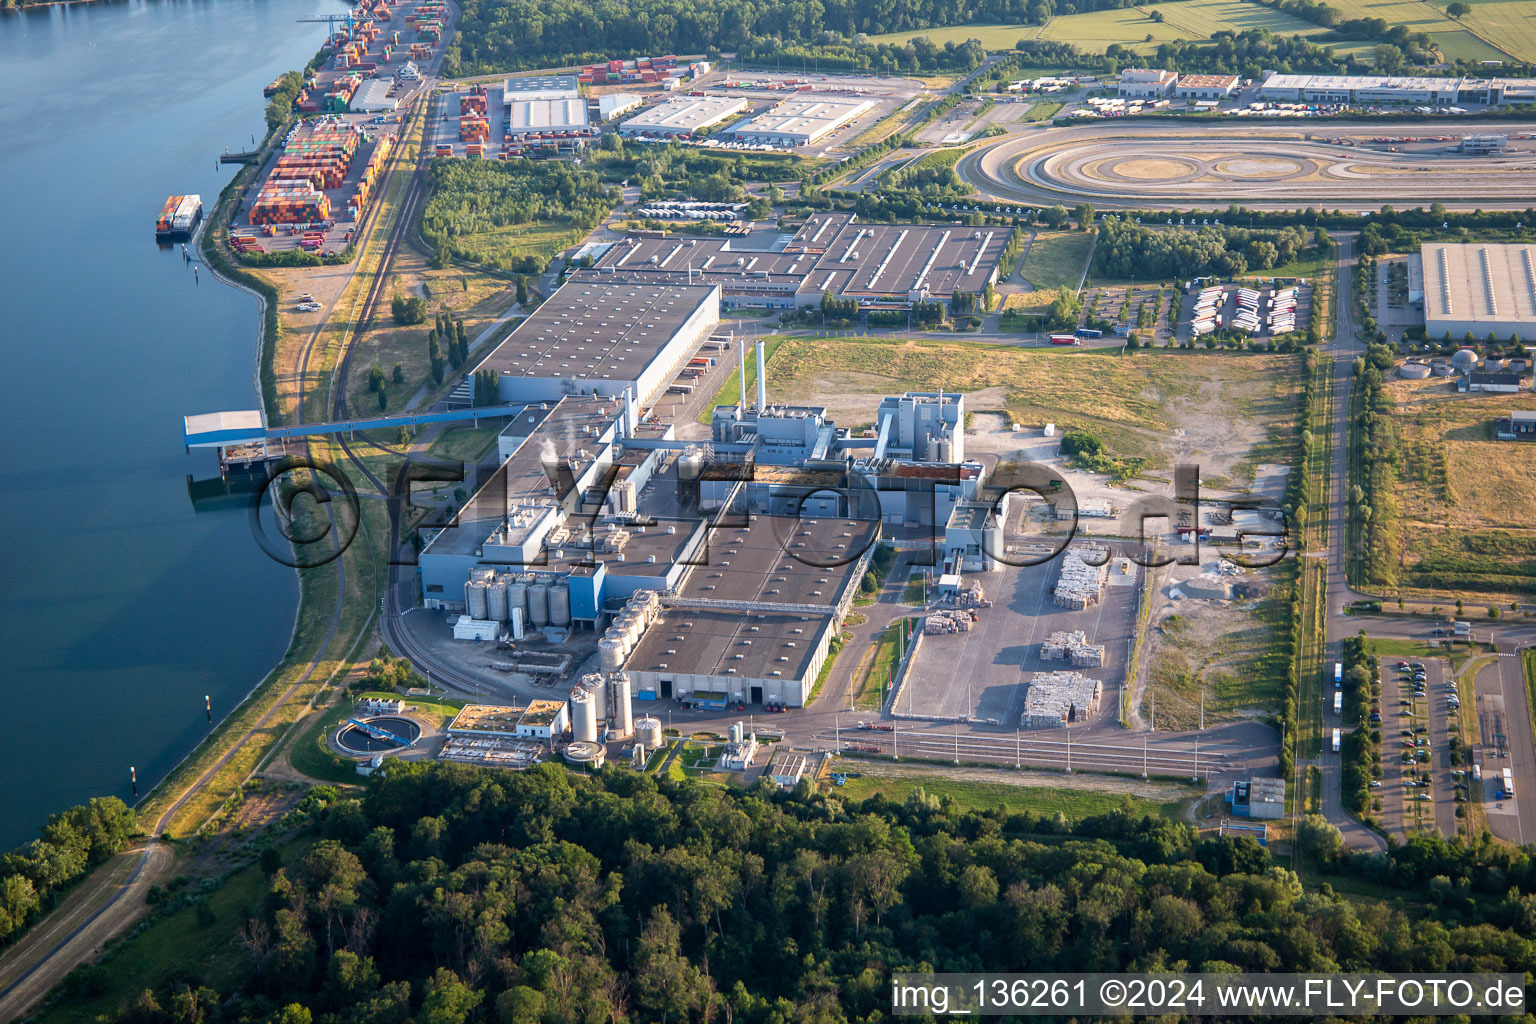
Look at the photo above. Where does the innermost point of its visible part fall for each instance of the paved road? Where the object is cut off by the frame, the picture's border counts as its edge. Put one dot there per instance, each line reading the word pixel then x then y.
pixel 1501 684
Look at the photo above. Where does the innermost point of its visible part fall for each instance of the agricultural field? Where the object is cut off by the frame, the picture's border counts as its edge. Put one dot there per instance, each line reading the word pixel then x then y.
pixel 1474 37
pixel 1199 18
pixel 1464 499
pixel 1163 406
pixel 1057 259
pixel 1128 26
pixel 993 37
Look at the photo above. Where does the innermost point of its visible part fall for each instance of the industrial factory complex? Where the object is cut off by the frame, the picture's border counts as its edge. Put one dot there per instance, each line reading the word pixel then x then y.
pixel 889 265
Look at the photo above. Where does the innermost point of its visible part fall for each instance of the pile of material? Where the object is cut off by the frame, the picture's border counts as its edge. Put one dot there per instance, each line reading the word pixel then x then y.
pixel 947 622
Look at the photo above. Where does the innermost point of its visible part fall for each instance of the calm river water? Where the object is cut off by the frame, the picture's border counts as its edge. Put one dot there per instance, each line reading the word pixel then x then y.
pixel 120 606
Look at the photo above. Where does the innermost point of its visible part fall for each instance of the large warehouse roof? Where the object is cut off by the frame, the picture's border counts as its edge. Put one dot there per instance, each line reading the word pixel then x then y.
pixel 779 560
pixel 892 261
pixel 597 329
pixel 801 120
pixel 1479 284
pixel 561 115
pixel 540 87
pixel 720 643
pixel 683 115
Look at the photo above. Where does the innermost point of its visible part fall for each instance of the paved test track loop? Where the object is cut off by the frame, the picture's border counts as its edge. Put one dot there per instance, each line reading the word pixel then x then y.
pixel 1140 165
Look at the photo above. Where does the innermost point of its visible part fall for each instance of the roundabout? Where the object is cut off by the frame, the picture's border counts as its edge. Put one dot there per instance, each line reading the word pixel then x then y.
pixel 1261 166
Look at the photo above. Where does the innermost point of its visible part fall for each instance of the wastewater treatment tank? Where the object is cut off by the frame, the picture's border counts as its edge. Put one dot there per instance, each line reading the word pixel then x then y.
pixel 388 734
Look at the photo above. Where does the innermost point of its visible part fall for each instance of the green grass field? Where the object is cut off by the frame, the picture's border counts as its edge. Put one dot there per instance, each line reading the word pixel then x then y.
pixel 1128 26
pixel 1057 259
pixel 1509 24
pixel 993 37
pixel 969 795
pixel 1490 32
pixel 464 444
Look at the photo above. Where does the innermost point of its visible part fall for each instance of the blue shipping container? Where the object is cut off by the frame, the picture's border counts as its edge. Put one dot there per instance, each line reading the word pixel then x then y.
pixel 645 695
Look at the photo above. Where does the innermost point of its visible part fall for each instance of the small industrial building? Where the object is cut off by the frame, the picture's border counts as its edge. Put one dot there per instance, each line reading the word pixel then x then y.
pixel 1503 383
pixel 603 337
pixel 616 104
pixel 1483 145
pixel 683 117
pixel 539 87
pixel 374 98
pixel 1205 87
pixel 1481 288
pixel 371 706
pixel 799 122
pixel 1259 798
pixel 788 767
pixel 1146 83
pixel 1519 425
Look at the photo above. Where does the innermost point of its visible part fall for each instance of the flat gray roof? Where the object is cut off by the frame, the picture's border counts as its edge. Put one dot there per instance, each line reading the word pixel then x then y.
pixel 684 115
pixel 802 118
pixel 596 329
pixel 522 479
pixel 716 260
pixel 748 645
pixel 766 561
pixel 543 115
pixel 539 87
pixel 891 261
pixel 1479 282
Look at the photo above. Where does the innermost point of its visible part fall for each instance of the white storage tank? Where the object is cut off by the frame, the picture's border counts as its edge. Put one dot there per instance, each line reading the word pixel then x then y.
pixel 594 684
pixel 648 731
pixel 620 704
pixel 560 605
pixel 584 716
pixel 496 604
pixel 475 599
pixel 610 653
pixel 538 605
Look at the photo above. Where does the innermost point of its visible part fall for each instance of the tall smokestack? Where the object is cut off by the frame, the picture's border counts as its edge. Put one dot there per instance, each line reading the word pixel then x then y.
pixel 627 421
pixel 741 357
pixel 762 378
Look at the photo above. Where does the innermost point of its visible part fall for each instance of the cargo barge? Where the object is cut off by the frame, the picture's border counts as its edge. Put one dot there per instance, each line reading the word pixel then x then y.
pixel 179 216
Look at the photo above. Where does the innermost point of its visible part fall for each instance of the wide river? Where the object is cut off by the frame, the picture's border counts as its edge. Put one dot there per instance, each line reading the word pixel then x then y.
pixel 120 606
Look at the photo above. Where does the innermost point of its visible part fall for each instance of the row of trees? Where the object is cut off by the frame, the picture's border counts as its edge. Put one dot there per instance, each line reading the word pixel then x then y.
pixel 1297 507
pixel 450 894
pixel 72 843
pixel 1378 453
pixel 497 35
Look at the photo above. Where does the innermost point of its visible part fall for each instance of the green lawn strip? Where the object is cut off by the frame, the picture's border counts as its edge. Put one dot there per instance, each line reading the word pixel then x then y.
pixel 464 444
pixel 970 795
pixel 1057 259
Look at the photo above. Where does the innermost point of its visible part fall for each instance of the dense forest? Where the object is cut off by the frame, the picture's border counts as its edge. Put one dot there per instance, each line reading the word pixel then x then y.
pixel 473 196
pixel 450 894
pixel 1126 248
pixel 495 35
pixel 73 842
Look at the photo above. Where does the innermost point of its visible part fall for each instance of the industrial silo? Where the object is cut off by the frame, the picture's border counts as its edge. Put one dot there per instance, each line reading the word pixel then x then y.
pixel 1493 364
pixel 496 600
pixel 584 716
pixel 538 605
pixel 517 597
pixel 648 731
pixel 560 605
pixel 594 683
pixel 620 704
pixel 475 599
pixel 610 652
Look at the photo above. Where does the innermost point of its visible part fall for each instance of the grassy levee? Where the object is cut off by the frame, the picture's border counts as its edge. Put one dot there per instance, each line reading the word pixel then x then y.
pixel 972 795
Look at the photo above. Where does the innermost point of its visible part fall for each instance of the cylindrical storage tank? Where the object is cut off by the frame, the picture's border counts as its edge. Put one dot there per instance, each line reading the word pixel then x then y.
pixel 560 605
pixel 620 704
pixel 595 685
pixel 1493 364
pixel 610 653
pixel 517 597
pixel 475 599
pixel 1464 361
pixel 584 717
pixel 648 731
pixel 1414 371
pixel 496 601
pixel 538 605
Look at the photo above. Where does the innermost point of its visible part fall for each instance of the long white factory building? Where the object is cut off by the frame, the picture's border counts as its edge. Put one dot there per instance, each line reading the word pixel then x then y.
pixel 1479 288
pixel 1376 89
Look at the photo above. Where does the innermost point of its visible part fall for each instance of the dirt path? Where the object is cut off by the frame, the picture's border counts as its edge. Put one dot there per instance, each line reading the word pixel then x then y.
pixel 74 931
